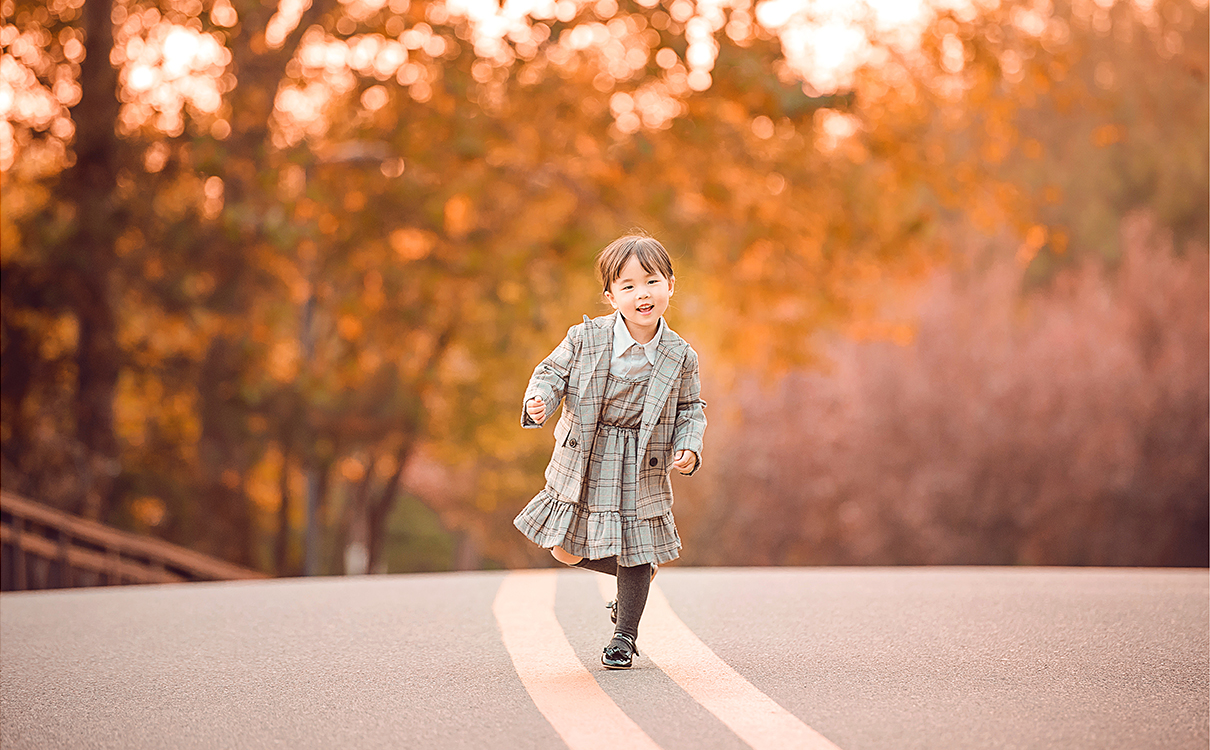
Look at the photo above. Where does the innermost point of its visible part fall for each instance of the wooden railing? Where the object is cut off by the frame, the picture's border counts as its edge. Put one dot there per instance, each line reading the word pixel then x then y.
pixel 45 548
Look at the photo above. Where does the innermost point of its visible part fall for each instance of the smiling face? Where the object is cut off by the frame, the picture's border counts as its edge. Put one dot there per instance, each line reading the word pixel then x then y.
pixel 642 298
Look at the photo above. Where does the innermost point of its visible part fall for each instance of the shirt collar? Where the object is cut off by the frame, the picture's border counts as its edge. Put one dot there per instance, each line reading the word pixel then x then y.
pixel 622 340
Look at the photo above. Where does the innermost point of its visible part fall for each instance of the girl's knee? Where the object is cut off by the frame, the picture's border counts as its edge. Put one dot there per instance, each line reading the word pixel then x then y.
pixel 564 556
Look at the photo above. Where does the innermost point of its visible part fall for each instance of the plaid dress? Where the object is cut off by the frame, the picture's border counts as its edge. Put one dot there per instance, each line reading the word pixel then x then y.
pixel 605 522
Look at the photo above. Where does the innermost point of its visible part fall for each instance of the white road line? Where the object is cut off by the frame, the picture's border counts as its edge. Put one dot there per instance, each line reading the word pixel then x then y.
pixel 754 716
pixel 563 690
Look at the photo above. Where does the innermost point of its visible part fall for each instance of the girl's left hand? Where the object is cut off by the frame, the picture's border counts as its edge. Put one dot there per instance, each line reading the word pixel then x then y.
pixel 685 461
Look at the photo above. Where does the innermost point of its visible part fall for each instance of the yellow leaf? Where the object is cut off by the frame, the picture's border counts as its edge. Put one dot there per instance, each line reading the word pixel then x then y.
pixel 459 216
pixel 412 244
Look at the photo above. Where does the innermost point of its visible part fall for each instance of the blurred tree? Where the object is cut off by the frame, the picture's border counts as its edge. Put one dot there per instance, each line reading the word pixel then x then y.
pixel 257 253
pixel 1058 427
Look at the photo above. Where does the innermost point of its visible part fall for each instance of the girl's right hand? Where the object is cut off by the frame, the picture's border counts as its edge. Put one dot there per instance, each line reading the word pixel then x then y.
pixel 536 410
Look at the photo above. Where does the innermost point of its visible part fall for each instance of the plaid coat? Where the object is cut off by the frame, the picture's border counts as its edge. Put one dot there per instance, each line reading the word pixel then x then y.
pixel 673 411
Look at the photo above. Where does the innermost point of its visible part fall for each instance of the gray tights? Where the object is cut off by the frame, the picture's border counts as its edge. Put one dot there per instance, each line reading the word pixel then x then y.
pixel 633 586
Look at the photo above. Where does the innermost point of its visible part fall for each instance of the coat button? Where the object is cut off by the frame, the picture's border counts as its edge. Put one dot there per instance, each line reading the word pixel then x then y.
pixel 654 462
pixel 573 443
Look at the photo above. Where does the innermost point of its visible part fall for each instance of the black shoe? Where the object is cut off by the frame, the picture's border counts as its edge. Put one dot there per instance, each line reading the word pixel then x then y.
pixel 620 652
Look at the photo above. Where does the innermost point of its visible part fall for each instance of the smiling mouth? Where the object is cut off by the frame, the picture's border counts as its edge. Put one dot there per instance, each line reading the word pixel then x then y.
pixel 645 308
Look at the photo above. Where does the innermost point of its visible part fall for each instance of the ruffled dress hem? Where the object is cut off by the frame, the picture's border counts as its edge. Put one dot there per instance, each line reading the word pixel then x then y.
pixel 548 521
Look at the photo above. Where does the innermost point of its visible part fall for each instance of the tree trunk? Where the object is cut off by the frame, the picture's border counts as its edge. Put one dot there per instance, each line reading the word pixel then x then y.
pixel 89 259
pixel 466 553
pixel 357 529
pixel 380 511
pixel 223 456
pixel 281 547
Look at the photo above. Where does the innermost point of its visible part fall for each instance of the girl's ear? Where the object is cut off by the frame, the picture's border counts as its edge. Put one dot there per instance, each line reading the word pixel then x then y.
pixel 609 296
pixel 671 285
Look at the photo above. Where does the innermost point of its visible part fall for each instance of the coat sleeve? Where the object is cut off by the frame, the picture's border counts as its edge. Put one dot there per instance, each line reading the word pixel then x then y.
pixel 690 412
pixel 549 381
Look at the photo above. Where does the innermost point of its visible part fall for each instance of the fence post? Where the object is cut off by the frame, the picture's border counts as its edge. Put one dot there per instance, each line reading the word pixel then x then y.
pixel 19 573
pixel 114 576
pixel 157 571
pixel 64 578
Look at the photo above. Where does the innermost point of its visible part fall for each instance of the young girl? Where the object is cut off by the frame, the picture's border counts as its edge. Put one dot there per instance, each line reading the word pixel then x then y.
pixel 632 411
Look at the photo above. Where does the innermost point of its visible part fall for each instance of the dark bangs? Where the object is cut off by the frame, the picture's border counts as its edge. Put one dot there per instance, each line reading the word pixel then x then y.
pixel 651 254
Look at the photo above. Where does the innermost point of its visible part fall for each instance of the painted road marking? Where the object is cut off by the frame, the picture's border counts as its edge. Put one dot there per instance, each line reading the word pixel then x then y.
pixel 563 690
pixel 754 716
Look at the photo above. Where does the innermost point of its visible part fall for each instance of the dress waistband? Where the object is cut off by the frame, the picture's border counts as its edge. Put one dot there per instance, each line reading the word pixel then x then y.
pixel 617 426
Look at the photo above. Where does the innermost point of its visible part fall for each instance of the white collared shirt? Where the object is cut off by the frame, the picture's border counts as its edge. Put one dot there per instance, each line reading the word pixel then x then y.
pixel 631 359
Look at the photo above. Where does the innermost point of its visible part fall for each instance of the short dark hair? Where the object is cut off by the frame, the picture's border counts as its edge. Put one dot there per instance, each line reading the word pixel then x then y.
pixel 651 254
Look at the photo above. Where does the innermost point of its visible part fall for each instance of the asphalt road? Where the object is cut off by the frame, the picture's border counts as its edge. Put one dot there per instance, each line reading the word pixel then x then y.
pixel 868 658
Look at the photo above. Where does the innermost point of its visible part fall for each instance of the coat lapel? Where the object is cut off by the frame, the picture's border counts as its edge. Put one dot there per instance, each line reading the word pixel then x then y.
pixel 594 371
pixel 664 373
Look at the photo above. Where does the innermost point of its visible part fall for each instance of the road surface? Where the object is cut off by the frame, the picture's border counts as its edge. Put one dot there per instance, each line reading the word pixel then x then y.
pixel 857 658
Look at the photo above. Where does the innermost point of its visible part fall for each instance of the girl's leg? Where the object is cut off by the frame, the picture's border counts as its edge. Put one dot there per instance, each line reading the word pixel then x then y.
pixel 564 556
pixel 607 565
pixel 633 586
